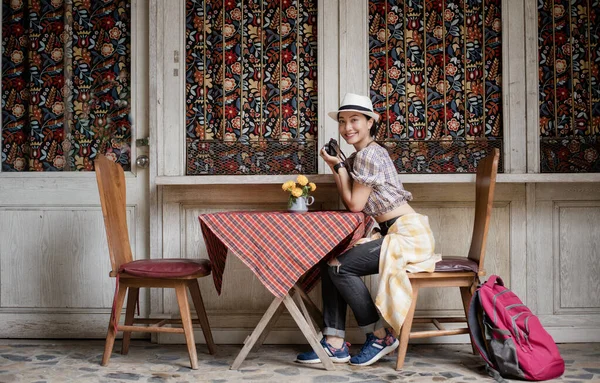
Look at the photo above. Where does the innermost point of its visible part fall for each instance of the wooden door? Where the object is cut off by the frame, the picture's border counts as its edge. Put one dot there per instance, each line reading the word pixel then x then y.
pixel 54 263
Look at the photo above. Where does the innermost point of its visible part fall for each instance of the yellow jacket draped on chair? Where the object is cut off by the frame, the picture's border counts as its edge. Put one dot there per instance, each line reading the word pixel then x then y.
pixel 407 247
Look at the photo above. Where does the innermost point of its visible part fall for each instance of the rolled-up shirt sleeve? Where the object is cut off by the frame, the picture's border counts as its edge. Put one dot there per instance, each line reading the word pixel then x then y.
pixel 365 169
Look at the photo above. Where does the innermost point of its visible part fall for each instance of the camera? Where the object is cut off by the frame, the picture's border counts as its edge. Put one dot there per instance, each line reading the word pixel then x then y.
pixel 332 147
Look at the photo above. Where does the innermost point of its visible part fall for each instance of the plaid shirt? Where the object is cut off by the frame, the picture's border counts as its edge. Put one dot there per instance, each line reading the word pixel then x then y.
pixel 372 166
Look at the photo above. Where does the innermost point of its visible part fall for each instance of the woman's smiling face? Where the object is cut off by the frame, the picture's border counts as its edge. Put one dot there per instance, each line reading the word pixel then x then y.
pixel 355 128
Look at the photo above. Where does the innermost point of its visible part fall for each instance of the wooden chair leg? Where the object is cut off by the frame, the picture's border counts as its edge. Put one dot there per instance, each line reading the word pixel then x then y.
pixel 467 294
pixel 114 318
pixel 202 317
pixel 132 296
pixel 186 321
pixel 406 327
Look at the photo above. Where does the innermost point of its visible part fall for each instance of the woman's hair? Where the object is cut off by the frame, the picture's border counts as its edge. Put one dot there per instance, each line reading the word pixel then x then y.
pixel 373 130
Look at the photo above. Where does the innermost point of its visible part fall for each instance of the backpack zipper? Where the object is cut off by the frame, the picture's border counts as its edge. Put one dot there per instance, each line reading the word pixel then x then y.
pixel 527 329
pixel 515 328
pixel 514 305
pixel 494 303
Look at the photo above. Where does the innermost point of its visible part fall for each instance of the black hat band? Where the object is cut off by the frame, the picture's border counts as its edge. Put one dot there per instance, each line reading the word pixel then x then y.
pixel 355 107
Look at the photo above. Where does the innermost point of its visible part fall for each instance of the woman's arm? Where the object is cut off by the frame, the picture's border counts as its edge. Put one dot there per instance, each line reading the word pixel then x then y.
pixel 354 194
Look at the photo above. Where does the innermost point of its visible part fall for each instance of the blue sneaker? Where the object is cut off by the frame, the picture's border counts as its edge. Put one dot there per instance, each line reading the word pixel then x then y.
pixel 375 349
pixel 337 355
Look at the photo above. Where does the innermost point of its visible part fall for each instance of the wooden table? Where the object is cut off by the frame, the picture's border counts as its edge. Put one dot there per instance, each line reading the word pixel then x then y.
pixel 283 250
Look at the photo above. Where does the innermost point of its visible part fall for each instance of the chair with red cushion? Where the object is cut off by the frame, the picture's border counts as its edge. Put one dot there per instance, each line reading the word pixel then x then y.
pixel 456 272
pixel 177 273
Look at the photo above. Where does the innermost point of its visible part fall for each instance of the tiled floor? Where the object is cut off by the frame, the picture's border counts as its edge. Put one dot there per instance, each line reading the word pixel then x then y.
pixel 78 361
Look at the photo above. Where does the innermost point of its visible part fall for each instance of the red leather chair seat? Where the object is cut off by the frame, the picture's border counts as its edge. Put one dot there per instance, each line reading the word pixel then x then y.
pixel 456 264
pixel 167 267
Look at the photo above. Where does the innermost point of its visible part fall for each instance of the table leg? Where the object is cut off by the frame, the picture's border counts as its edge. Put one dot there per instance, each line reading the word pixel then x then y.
pixel 310 310
pixel 271 323
pixel 314 311
pixel 306 330
pixel 273 308
pixel 306 314
pixel 269 326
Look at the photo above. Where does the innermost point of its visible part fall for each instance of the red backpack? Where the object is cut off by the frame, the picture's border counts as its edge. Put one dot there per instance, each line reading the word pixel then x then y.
pixel 512 340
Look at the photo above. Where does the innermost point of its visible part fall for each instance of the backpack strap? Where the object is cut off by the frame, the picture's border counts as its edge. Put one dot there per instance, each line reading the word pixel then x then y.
pixel 495 374
pixel 493 280
pixel 477 333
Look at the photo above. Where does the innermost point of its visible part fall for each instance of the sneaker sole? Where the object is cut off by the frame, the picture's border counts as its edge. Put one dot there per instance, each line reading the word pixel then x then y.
pixel 315 361
pixel 380 355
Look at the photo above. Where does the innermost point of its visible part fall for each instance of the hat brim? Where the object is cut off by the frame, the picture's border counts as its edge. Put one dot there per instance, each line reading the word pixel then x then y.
pixel 334 115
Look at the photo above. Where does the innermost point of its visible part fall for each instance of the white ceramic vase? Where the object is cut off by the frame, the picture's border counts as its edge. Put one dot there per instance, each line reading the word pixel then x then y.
pixel 301 204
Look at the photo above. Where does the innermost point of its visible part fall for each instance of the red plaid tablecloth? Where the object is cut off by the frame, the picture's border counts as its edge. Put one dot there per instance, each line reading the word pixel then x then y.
pixel 279 247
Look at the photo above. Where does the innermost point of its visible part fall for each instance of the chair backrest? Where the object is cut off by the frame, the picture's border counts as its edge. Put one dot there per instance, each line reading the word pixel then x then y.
pixel 485 185
pixel 111 185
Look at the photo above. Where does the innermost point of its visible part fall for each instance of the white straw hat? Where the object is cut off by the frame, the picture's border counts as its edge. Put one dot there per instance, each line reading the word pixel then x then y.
pixel 356 103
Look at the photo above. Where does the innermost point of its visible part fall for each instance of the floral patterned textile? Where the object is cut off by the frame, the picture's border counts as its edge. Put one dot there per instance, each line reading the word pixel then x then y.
pixel 435 79
pixel 569 92
pixel 65 84
pixel 251 94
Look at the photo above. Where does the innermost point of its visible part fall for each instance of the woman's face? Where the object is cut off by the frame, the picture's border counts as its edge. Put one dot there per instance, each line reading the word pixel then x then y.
pixel 354 128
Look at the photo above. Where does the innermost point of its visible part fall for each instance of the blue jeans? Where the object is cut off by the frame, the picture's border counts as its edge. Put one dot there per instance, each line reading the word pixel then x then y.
pixel 342 287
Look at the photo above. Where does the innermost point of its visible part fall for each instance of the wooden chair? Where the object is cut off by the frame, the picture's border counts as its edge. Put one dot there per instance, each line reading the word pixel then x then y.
pixel 461 272
pixel 131 275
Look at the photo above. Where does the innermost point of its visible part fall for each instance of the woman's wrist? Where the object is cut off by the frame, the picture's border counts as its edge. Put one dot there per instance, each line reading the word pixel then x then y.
pixel 338 166
pixel 332 164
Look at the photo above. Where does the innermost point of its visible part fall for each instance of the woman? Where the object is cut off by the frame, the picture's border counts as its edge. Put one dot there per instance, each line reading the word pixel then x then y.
pixel 367 181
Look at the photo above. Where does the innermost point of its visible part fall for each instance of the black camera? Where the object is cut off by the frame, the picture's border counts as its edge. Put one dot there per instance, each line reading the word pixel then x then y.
pixel 332 148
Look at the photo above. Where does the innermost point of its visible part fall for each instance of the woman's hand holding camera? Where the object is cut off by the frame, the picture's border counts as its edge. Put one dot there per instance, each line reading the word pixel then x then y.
pixel 332 147
pixel 333 156
pixel 329 159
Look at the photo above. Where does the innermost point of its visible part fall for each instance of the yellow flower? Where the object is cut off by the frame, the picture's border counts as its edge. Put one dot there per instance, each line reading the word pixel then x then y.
pixel 312 185
pixel 296 192
pixel 302 180
pixel 287 186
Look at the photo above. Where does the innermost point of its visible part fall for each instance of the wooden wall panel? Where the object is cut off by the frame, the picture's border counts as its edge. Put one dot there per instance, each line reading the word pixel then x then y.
pixel 328 67
pixel 171 61
pixel 564 262
pixel 54 258
pixel 577 265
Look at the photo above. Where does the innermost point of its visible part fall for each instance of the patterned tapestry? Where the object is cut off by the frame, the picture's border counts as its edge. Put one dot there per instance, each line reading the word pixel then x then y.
pixel 569 91
pixel 65 84
pixel 435 78
pixel 251 86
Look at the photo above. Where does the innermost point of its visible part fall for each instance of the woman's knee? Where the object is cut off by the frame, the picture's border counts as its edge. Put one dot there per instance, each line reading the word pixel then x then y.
pixel 334 269
pixel 356 262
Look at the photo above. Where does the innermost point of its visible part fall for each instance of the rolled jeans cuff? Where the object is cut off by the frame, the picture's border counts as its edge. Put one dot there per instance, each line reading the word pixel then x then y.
pixel 334 332
pixel 373 326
